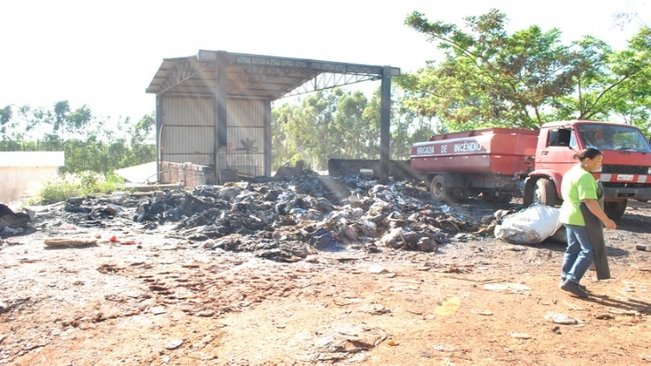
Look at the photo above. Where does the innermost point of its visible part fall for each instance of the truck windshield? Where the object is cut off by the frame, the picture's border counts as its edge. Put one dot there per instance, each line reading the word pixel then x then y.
pixel 614 137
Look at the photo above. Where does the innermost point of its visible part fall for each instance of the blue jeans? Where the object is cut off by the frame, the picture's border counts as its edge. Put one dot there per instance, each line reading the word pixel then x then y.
pixel 579 253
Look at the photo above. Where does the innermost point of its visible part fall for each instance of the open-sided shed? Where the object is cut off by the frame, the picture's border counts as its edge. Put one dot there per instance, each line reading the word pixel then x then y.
pixel 214 109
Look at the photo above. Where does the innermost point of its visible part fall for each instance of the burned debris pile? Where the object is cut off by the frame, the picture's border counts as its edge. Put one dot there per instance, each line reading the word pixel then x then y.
pixel 13 223
pixel 283 219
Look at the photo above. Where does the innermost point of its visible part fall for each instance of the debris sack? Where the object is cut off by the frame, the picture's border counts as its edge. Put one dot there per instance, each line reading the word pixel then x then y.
pixel 531 225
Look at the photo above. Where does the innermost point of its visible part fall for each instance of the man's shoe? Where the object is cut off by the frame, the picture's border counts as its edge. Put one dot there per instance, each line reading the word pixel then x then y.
pixel 574 288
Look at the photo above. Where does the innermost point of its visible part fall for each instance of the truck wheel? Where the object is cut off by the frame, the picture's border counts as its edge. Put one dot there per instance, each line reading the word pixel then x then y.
pixel 543 192
pixel 440 190
pixel 615 210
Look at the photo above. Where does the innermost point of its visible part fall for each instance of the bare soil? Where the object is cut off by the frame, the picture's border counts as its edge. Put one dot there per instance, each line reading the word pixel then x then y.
pixel 151 299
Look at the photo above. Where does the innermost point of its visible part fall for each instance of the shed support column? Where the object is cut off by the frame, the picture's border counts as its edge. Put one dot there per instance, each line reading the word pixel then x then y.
pixel 385 123
pixel 267 139
pixel 159 136
pixel 221 115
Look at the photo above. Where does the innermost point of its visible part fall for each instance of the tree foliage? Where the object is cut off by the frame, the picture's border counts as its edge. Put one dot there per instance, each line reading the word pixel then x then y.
pixel 340 124
pixel 613 82
pixel 490 77
pixel 89 143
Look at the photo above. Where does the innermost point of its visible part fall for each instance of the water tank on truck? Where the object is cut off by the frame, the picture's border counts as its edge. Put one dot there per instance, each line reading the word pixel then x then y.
pixel 490 163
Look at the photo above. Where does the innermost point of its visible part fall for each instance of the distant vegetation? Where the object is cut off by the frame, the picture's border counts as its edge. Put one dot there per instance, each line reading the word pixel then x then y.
pixel 89 143
pixel 77 185
pixel 340 124
pixel 93 147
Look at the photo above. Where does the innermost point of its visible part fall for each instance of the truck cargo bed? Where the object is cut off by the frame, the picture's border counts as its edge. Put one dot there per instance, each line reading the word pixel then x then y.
pixel 500 151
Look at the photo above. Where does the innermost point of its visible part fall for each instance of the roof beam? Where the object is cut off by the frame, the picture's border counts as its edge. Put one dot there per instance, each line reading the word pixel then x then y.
pixel 296 63
pixel 182 71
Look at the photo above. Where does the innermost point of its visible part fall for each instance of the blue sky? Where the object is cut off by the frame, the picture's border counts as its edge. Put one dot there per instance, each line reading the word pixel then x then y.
pixel 105 53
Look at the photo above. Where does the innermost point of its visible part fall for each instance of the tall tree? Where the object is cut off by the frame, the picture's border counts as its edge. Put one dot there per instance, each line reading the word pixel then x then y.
pixel 143 130
pixel 61 110
pixel 307 130
pixel 340 124
pixel 488 77
pixel 6 115
pixel 349 127
pixel 613 82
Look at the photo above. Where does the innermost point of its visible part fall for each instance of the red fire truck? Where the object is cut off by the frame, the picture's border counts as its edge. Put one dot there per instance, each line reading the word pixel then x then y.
pixel 502 163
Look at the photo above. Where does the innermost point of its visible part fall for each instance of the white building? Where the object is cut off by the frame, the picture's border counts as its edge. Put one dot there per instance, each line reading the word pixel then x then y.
pixel 23 173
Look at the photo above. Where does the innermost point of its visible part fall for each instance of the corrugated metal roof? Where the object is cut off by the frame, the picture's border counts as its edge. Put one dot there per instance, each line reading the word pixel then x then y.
pixel 248 75
pixel 32 158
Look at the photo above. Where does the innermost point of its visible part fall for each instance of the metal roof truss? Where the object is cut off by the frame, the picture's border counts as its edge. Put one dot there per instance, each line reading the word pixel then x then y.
pixel 257 76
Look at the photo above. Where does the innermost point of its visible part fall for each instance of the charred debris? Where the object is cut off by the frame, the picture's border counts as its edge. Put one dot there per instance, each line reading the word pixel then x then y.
pixel 284 218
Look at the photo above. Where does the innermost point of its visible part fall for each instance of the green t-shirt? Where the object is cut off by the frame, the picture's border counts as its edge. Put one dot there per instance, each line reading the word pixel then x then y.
pixel 577 185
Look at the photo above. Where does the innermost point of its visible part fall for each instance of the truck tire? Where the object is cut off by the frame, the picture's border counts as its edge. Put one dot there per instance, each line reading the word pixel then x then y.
pixel 540 191
pixel 441 191
pixel 615 210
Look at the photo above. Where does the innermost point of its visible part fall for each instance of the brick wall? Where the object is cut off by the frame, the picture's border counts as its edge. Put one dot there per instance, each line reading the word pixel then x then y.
pixel 188 174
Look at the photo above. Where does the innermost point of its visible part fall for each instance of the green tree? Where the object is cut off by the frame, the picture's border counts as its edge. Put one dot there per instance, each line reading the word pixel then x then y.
pixel 488 77
pixel 283 147
pixel 369 128
pixel 340 124
pixel 5 118
pixel 143 130
pixel 307 130
pixel 79 120
pixel 351 127
pixel 61 110
pixel 613 82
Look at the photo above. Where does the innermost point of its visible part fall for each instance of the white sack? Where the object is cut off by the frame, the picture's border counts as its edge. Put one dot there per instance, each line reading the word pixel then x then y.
pixel 532 225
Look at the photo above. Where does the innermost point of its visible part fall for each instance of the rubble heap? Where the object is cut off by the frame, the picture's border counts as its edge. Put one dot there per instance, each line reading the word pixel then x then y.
pixel 13 223
pixel 286 219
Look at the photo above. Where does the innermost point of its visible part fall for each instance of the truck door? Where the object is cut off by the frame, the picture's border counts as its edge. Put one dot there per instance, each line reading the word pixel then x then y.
pixel 557 154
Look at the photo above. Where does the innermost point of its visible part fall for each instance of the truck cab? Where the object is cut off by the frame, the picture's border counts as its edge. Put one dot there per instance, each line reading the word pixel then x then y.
pixel 626 167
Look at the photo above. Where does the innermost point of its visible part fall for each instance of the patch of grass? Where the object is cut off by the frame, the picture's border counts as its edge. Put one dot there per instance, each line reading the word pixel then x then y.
pixel 75 185
pixel 54 191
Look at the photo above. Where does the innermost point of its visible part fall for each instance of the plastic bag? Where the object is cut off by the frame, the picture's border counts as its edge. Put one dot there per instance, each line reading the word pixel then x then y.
pixel 532 225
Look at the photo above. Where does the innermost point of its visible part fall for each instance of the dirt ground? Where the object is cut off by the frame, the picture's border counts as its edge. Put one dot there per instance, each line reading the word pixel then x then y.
pixel 152 299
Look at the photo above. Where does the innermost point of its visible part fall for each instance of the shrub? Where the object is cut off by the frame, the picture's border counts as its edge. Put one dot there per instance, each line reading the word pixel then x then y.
pixel 72 185
pixel 55 191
